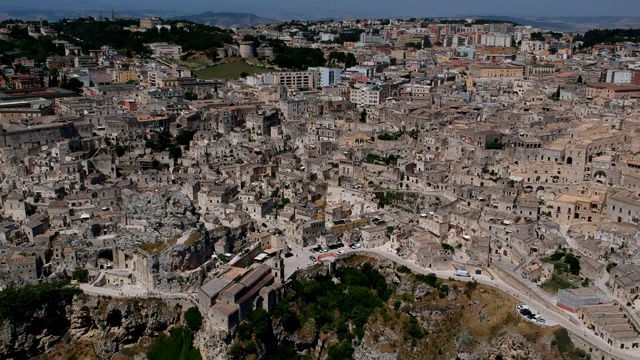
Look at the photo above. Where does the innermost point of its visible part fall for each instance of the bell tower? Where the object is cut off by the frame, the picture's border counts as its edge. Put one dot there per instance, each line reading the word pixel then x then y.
pixel 277 265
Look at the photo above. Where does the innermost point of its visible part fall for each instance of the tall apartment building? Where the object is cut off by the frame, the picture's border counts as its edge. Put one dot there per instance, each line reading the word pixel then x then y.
pixel 294 79
pixel 327 76
pixel 502 40
pixel 533 46
pixel 496 71
pixel 124 76
pixel 368 38
pixel 619 76
pixel 370 95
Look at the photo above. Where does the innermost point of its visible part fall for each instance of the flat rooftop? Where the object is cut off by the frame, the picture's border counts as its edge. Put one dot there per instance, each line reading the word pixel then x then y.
pixel 51 92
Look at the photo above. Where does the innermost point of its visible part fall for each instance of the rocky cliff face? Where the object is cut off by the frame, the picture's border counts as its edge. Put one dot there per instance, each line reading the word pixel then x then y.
pixel 213 343
pixel 161 213
pixel 421 320
pixel 111 324
pixel 107 323
pixel 36 333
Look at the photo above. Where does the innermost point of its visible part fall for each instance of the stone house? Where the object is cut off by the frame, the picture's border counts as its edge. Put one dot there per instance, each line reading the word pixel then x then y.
pixel 591 268
pixel 624 281
pixel 373 236
pixel 611 324
pixel 23 267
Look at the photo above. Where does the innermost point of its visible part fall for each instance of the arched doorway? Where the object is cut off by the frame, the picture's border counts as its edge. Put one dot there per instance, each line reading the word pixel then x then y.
pixel 259 303
pixel 600 177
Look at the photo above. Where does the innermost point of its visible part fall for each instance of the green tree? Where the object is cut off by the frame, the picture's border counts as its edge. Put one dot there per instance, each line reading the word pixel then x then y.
pixel 212 54
pixel 193 318
pixel 236 351
pixel 299 58
pixel 244 74
pixel 177 346
pixel 185 137
pixel 18 303
pixel 175 152
pixel 414 329
pixel 80 274
pixel 340 351
pixel 556 94
pixel 350 60
pixel 73 84
pixel 189 95
pixel 574 263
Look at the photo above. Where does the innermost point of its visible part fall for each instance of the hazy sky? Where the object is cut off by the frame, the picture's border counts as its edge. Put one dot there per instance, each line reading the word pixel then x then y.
pixel 323 8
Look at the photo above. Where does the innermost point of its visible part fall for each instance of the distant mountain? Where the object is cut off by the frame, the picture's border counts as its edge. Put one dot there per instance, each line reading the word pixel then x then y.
pixel 228 19
pixel 573 23
pixel 55 15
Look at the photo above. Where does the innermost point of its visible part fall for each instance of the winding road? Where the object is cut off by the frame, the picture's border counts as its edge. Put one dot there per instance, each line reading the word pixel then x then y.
pixel 568 321
pixel 546 307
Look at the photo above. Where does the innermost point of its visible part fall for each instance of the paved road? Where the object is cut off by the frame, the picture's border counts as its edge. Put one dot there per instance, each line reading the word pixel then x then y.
pixel 601 283
pixel 134 291
pixel 550 316
pixel 301 260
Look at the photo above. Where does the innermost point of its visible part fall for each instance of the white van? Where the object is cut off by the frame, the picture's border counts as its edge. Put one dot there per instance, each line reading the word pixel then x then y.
pixel 464 273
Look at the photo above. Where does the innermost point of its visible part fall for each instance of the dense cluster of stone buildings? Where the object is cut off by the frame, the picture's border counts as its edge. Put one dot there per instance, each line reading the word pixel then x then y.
pixel 489 145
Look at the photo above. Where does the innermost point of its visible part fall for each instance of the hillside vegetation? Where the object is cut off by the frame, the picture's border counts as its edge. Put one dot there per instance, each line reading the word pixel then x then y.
pixel 368 309
pixel 230 70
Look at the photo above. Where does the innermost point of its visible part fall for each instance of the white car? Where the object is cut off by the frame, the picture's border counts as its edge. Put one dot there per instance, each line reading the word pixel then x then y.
pixel 340 251
pixel 540 321
pixel 522 306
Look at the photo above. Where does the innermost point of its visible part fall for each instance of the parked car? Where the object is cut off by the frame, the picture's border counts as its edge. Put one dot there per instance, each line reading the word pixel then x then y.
pixel 540 321
pixel 522 306
pixel 312 258
pixel 340 251
pixel 525 312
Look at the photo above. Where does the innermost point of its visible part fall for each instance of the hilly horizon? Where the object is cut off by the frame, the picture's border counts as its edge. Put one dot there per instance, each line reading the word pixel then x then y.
pixel 227 19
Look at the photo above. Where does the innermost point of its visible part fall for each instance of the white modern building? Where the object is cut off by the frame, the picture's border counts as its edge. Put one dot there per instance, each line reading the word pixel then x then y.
pixel 294 79
pixel 165 50
pixel 327 36
pixel 370 94
pixel 619 76
pixel 502 40
pixel 327 76
pixel 368 38
pixel 533 46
